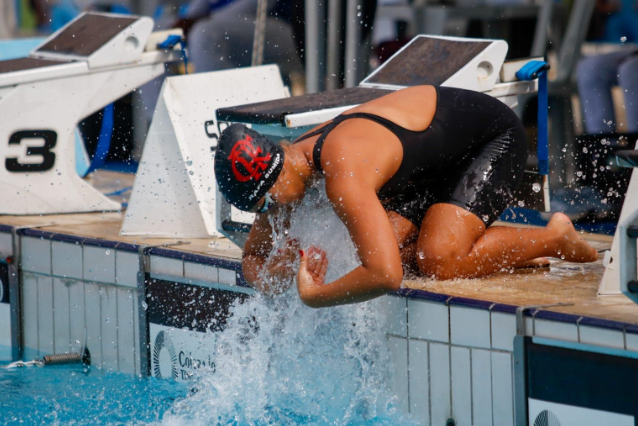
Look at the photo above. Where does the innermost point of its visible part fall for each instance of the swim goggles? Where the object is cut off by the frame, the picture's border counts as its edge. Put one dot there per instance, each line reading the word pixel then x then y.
pixel 268 203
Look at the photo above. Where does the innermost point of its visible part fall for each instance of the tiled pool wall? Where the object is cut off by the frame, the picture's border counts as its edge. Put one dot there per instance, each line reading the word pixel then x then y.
pixel 453 357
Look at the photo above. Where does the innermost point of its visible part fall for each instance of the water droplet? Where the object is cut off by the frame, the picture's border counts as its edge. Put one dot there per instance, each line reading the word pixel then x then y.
pixel 144 305
pixel 521 203
pixel 623 39
pixel 536 187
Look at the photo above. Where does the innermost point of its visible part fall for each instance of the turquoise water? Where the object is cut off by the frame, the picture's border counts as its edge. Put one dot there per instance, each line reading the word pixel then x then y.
pixel 277 362
pixel 70 395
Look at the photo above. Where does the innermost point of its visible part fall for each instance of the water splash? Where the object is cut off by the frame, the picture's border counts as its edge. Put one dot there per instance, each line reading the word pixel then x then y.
pixel 280 362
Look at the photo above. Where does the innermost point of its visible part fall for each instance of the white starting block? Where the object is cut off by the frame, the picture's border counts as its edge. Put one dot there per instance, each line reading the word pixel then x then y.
pixel 156 210
pixel 620 262
pixel 86 65
pixel 175 193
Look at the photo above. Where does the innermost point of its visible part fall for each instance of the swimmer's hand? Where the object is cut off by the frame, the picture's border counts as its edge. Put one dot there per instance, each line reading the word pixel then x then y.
pixel 279 265
pixel 312 272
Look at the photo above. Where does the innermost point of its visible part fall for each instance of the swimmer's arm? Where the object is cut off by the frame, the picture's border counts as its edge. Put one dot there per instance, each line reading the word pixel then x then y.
pixel 381 271
pixel 255 256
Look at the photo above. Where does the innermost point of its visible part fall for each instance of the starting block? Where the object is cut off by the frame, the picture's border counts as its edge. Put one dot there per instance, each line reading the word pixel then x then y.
pixel 92 61
pixel 620 262
pixel 473 64
pixel 175 192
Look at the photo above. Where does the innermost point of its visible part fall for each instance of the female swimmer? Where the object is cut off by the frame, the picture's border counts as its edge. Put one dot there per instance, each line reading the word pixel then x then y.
pixel 417 176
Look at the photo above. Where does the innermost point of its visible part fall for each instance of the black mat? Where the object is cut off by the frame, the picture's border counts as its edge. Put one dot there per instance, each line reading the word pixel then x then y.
pixel 87 34
pixel 22 64
pixel 427 61
pixel 275 111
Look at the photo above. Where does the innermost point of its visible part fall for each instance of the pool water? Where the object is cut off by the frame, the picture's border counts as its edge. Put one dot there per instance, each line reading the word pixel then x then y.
pixel 277 362
pixel 72 395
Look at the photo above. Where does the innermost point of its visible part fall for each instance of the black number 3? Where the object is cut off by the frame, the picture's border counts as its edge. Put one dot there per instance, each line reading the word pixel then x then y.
pixel 48 157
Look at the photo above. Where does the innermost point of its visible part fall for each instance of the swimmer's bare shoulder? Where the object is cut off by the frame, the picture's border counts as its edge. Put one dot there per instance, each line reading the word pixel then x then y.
pixel 412 108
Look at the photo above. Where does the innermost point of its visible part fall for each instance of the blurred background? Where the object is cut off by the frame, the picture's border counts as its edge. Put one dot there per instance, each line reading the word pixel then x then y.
pixel 330 44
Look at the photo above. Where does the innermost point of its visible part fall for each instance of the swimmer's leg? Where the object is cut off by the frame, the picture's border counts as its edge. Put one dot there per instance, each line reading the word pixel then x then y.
pixel 406 234
pixel 453 243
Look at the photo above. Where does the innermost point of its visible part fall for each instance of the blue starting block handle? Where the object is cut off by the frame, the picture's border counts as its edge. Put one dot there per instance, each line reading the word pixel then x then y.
pixel 530 71
pixel 172 41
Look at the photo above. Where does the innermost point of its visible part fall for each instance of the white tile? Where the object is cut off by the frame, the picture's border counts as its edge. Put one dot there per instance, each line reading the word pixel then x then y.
pixel 502 389
pixel 76 315
pixel 6 245
pixel 395 314
pixel 126 330
pixel 45 315
pixel 419 381
pixel 108 306
pixel 201 272
pixel 99 264
pixel 461 386
pixel 481 387
pixel 167 266
pixel 470 327
pixel 440 403
pixel 632 342
pixel 93 323
pixel 127 265
pixel 67 259
pixel 556 330
pixel 601 337
pixel 62 331
pixel 30 310
pixel 227 276
pixel 428 320
pixel 36 255
pixel 399 356
pixel 5 325
pixel 503 331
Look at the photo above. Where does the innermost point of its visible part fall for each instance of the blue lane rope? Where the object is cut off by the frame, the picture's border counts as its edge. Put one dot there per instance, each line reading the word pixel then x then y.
pixel 530 71
pixel 172 41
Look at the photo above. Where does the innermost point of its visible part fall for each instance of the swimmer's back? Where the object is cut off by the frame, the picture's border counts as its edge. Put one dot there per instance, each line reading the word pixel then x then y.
pixel 410 135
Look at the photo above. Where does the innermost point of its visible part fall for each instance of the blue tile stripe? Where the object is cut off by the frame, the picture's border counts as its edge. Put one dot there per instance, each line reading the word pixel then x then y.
pixel 511 309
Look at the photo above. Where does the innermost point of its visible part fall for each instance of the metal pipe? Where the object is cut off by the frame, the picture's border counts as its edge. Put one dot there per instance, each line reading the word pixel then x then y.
pixel 574 37
pixel 315 45
pixel 260 33
pixel 333 60
pixel 542 27
pixel 353 33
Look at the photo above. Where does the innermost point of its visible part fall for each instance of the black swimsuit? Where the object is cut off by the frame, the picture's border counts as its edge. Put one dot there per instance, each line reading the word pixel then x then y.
pixel 472 155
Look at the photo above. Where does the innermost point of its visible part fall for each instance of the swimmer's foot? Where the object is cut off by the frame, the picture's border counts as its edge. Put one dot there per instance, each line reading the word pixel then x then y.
pixel 570 245
pixel 541 262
